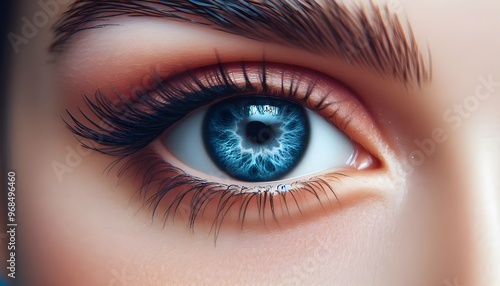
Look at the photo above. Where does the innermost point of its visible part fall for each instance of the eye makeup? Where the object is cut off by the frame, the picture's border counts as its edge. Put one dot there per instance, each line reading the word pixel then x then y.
pixel 128 131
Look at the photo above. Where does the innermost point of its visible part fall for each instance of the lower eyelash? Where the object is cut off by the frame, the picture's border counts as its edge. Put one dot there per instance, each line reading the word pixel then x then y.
pixel 193 195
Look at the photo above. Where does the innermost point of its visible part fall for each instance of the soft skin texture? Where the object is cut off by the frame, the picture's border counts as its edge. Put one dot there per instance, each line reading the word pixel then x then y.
pixel 433 224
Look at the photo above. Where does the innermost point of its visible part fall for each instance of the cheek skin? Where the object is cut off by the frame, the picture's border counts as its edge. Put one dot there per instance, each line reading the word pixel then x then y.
pixel 119 241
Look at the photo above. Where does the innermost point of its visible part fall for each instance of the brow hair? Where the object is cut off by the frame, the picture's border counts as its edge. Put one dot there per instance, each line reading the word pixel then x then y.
pixel 369 36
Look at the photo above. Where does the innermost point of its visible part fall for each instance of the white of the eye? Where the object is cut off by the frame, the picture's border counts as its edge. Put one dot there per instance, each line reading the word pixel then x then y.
pixel 328 147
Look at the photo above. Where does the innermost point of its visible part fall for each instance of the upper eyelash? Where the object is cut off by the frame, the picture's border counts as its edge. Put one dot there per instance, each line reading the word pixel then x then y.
pixel 129 127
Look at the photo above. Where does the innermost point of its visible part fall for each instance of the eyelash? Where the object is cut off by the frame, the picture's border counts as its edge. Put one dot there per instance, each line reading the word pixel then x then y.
pixel 126 131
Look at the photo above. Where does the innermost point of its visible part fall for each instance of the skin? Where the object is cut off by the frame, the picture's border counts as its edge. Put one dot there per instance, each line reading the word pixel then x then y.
pixel 435 224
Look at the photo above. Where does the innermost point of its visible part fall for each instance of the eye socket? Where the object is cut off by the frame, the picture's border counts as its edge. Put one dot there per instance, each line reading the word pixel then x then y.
pixel 258 139
pixel 159 123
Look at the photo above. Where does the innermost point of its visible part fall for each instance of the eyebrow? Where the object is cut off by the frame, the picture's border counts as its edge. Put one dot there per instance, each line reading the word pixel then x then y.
pixel 370 36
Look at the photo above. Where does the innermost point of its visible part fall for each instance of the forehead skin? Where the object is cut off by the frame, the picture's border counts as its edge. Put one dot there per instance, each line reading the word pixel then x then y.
pixel 74 233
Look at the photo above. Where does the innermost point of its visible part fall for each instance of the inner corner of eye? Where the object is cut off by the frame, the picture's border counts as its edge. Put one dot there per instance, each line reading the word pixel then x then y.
pixel 260 139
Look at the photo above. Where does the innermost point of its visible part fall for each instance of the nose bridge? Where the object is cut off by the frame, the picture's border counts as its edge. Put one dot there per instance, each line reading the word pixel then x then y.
pixel 472 195
pixel 483 197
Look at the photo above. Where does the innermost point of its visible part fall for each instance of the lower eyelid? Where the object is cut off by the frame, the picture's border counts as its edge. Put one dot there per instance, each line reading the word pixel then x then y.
pixel 219 209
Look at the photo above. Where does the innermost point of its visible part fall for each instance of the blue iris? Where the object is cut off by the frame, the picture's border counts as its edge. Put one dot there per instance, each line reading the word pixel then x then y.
pixel 256 138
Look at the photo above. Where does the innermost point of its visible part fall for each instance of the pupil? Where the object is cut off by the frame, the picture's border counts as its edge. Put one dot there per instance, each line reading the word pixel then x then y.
pixel 258 132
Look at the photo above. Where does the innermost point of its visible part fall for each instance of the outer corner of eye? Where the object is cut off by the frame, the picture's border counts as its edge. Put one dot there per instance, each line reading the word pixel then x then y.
pixel 259 138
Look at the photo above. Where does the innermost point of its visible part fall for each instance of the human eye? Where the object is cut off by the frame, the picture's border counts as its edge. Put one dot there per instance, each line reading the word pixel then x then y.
pixel 194 140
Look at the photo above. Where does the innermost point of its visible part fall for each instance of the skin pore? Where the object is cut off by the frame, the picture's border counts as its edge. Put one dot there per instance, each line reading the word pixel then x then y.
pixel 416 218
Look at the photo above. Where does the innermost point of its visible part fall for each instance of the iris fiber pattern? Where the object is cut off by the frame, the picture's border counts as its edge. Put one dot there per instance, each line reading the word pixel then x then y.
pixel 256 138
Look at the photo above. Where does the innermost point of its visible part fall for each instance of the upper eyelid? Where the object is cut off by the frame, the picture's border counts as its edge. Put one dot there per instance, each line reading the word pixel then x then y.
pixel 370 36
pixel 151 101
